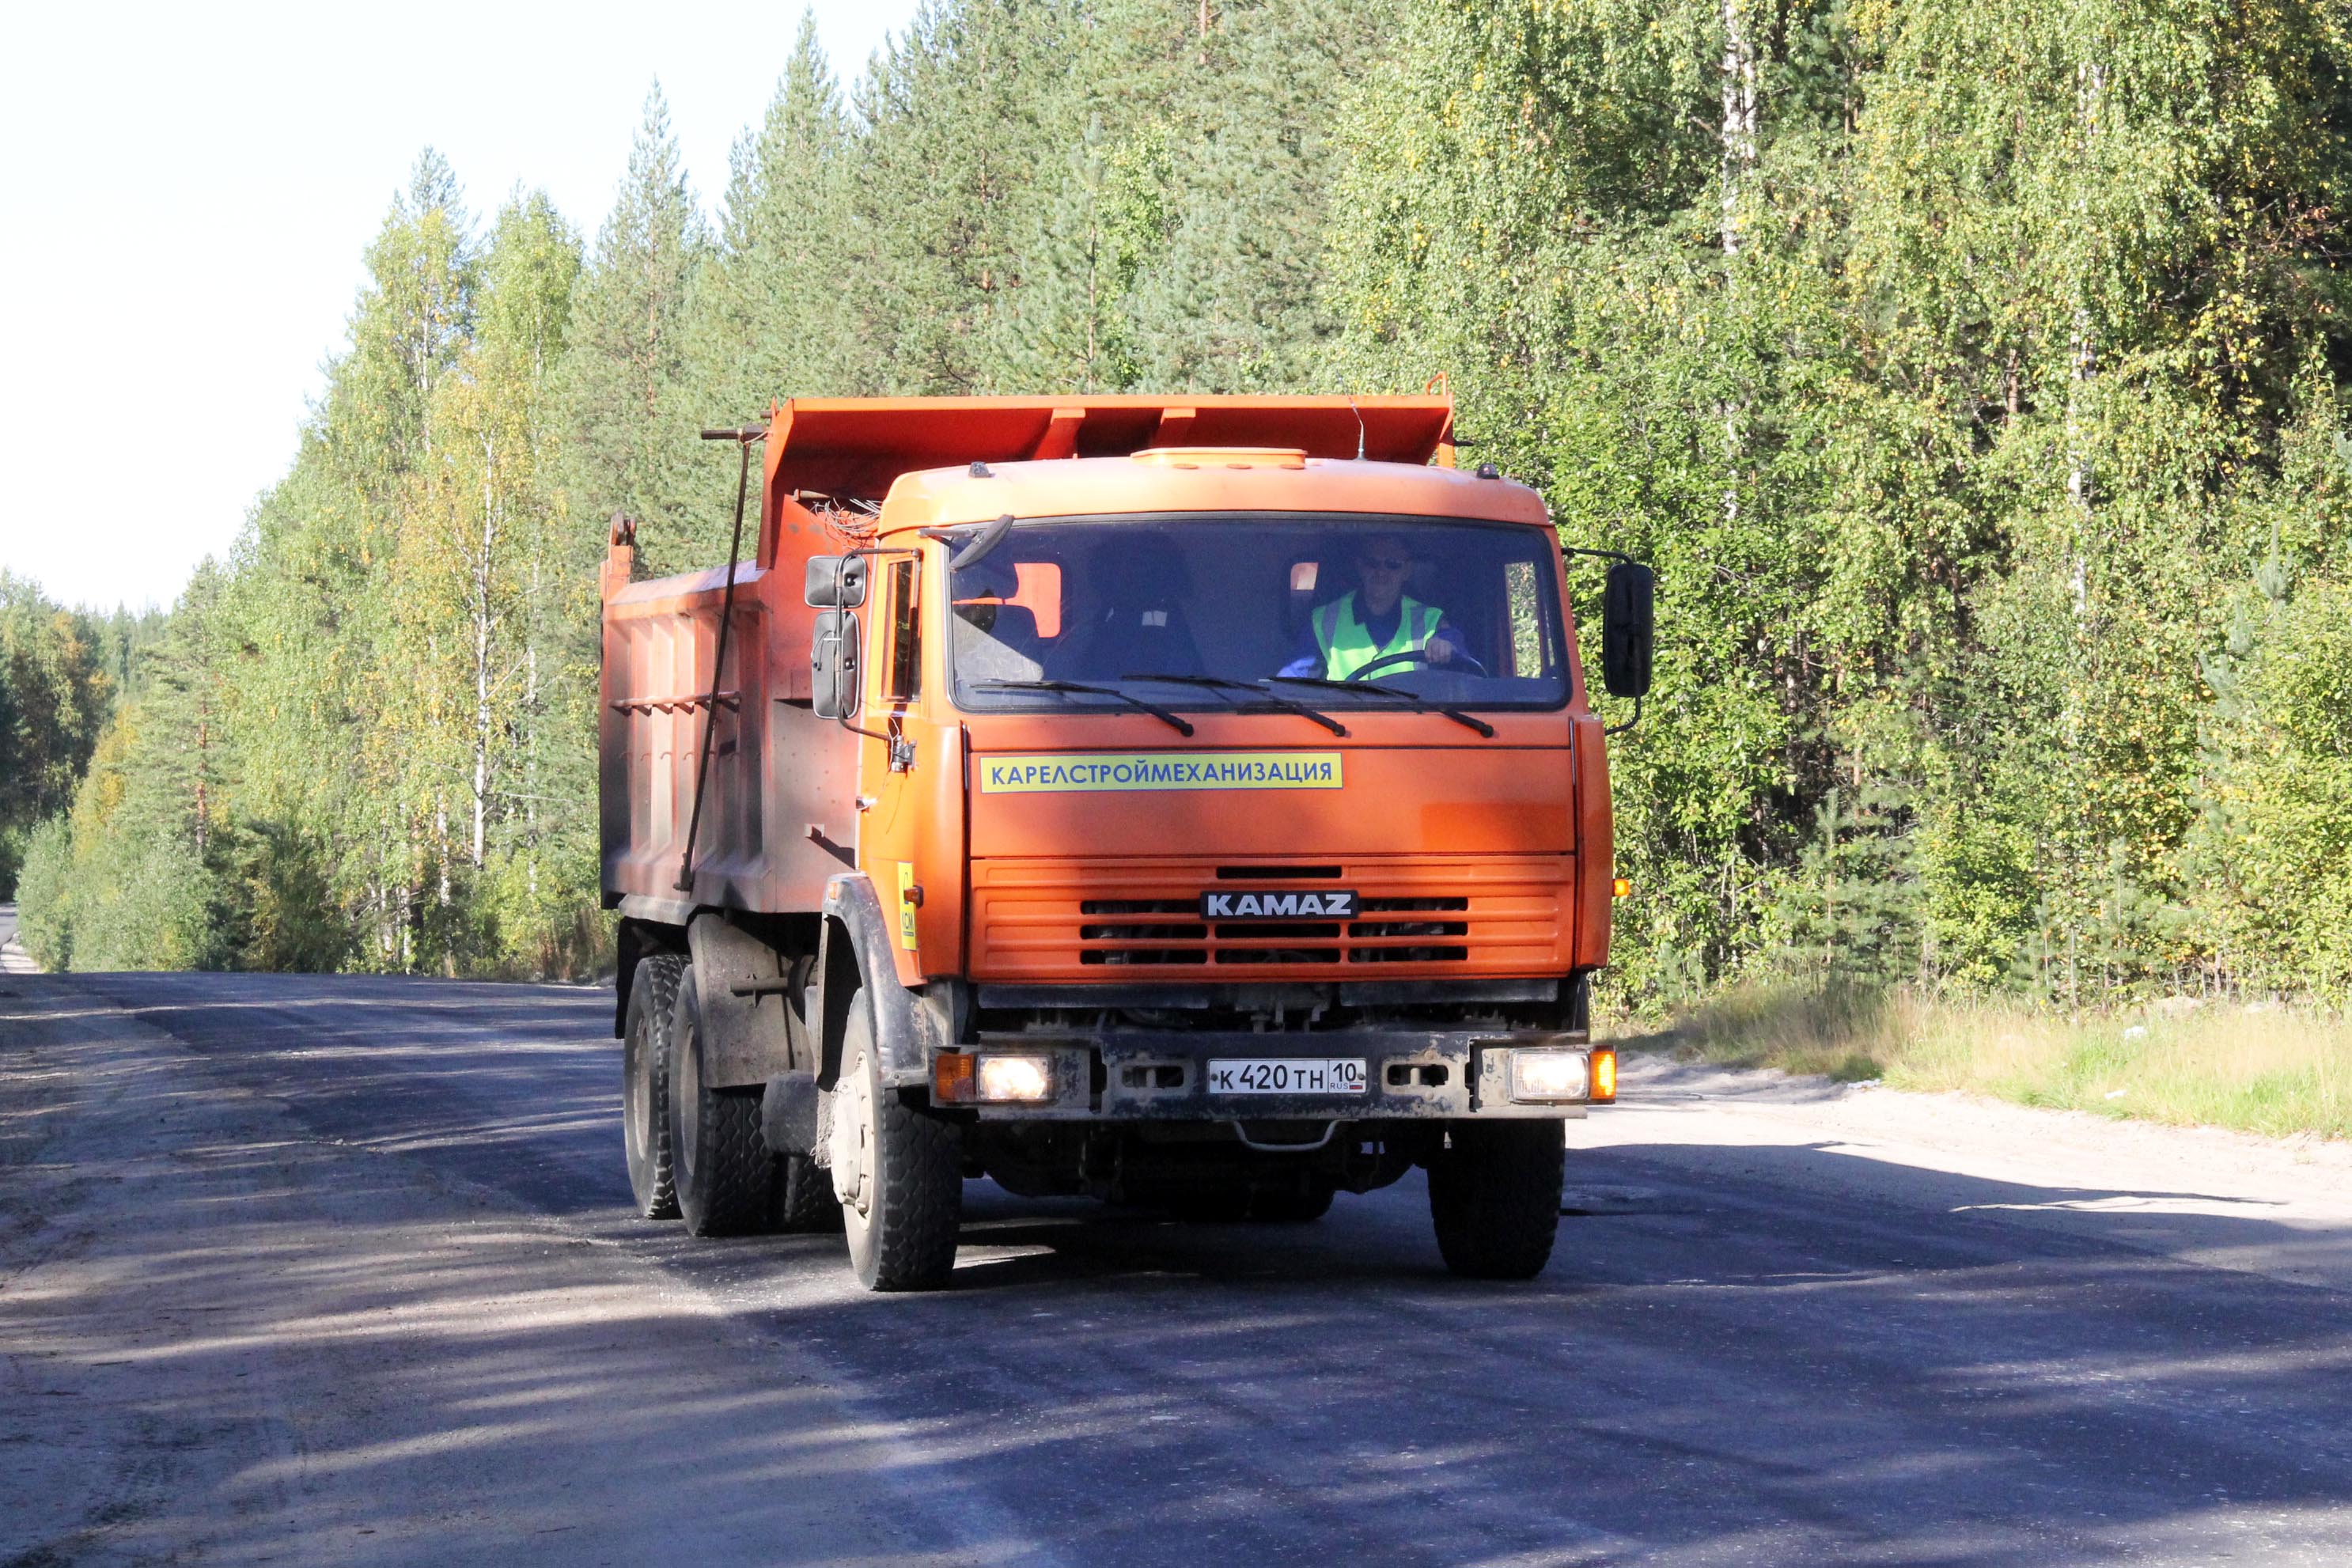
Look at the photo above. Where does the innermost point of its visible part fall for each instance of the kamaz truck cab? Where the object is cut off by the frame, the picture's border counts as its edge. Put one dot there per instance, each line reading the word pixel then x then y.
pixel 1195 804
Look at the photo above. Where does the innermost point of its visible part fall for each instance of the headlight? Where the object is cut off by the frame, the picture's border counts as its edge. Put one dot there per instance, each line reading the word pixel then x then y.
pixel 1548 1075
pixel 967 1078
pixel 1002 1077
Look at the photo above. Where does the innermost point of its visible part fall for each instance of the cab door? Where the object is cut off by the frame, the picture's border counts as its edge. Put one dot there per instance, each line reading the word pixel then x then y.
pixel 911 769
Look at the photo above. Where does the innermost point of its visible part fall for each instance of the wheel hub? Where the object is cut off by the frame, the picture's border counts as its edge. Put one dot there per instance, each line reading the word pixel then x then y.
pixel 853 1120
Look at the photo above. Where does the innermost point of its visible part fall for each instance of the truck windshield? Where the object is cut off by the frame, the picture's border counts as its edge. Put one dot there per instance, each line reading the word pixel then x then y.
pixel 1199 613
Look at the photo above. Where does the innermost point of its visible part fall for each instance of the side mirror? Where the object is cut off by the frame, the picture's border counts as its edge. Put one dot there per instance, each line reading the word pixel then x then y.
pixel 835 583
pixel 833 664
pixel 1627 629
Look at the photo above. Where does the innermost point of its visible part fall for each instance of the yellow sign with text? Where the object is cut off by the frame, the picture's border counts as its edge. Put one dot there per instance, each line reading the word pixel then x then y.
pixel 907 905
pixel 1139 771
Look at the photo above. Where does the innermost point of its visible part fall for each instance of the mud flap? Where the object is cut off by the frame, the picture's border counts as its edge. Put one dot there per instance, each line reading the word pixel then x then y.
pixel 748 1039
pixel 790 1122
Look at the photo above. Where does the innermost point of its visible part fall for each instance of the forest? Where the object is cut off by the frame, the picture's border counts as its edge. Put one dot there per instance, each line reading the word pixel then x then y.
pixel 1976 378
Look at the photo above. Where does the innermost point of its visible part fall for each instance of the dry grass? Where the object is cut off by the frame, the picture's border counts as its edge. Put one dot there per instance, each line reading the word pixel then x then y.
pixel 2273 1071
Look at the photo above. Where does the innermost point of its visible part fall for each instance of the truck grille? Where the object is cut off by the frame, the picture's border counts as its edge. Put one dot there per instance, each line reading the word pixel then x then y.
pixel 1458 915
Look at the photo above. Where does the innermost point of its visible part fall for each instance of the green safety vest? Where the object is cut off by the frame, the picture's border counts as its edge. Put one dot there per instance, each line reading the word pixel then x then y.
pixel 1347 644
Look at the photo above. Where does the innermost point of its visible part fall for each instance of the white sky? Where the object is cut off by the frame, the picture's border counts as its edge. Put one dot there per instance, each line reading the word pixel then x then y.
pixel 193 186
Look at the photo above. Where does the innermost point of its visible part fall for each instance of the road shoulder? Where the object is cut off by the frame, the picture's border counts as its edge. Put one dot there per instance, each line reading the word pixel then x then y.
pixel 2281 1208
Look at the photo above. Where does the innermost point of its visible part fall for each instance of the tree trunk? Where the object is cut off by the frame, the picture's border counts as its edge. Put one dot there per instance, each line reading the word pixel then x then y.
pixel 482 641
pixel 1740 124
pixel 1738 138
pixel 2083 346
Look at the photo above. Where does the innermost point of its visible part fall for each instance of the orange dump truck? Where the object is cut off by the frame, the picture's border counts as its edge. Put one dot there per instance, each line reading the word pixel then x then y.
pixel 1196 802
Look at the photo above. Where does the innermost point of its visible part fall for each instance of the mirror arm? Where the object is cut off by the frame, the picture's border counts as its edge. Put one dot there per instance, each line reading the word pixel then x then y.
pixel 902 750
pixel 1621 729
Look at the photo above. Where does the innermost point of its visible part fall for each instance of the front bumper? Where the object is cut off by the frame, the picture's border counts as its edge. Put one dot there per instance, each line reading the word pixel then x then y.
pixel 1141 1075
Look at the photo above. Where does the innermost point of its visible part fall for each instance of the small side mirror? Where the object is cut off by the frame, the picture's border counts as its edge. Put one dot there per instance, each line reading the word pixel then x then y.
pixel 835 583
pixel 1627 629
pixel 833 665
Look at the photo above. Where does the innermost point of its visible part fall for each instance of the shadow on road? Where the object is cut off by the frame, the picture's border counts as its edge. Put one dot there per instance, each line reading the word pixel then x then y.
pixel 1732 1358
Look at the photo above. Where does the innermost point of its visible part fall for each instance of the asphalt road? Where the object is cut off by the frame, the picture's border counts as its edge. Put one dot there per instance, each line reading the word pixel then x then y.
pixel 1729 1360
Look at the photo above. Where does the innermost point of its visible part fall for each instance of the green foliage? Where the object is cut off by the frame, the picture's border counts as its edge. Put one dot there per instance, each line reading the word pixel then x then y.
pixel 1950 365
pixel 1972 376
pixel 368 739
pixel 765 324
pixel 628 423
pixel 55 692
pixel 2273 852
pixel 120 885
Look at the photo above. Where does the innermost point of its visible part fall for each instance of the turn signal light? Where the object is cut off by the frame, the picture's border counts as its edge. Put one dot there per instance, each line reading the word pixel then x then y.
pixel 951 1082
pixel 1604 1075
pixel 1622 888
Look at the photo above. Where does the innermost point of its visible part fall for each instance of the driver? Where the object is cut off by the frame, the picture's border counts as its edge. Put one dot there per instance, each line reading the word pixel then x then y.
pixel 1374 620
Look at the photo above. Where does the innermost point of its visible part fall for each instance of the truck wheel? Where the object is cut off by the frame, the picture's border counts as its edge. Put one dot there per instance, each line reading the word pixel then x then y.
pixel 804 1196
pixel 1494 1196
pixel 644 1084
pixel 723 1171
pixel 898 1171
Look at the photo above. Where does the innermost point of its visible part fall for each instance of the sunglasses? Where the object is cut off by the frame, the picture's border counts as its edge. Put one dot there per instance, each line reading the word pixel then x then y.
pixel 1382 563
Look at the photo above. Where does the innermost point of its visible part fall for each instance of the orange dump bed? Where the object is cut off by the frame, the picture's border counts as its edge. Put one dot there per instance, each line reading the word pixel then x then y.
pixel 854 449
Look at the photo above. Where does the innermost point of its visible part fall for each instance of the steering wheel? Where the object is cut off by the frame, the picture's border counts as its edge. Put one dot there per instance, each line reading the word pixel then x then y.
pixel 1416 656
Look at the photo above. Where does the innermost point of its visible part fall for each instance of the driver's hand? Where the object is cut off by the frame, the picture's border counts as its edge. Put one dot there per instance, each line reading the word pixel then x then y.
pixel 1438 651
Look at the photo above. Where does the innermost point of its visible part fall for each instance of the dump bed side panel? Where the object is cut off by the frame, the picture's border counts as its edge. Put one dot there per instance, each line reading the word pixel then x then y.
pixel 775 770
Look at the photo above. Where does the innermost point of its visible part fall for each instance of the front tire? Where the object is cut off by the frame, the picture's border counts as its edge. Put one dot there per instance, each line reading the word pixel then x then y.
pixel 1494 1197
pixel 896 1170
pixel 723 1171
pixel 644 1084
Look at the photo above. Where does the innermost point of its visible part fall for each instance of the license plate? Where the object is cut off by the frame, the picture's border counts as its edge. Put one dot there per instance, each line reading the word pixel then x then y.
pixel 1286 1075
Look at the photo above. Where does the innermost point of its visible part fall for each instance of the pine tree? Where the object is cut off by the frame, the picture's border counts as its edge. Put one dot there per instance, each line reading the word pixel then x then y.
pixel 630 427
pixel 1067 323
pixel 773 316
pixel 955 127
pixel 1233 300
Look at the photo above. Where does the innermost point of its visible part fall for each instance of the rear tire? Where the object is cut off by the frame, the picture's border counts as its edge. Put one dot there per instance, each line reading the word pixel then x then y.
pixel 896 1170
pixel 1494 1197
pixel 722 1169
pixel 644 1084
pixel 804 1196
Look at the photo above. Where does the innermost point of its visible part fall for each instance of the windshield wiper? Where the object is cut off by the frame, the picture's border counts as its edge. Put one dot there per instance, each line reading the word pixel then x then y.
pixel 1273 698
pixel 1174 721
pixel 1419 704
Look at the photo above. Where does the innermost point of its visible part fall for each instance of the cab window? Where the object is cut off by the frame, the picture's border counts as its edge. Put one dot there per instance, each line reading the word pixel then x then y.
pixel 902 671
